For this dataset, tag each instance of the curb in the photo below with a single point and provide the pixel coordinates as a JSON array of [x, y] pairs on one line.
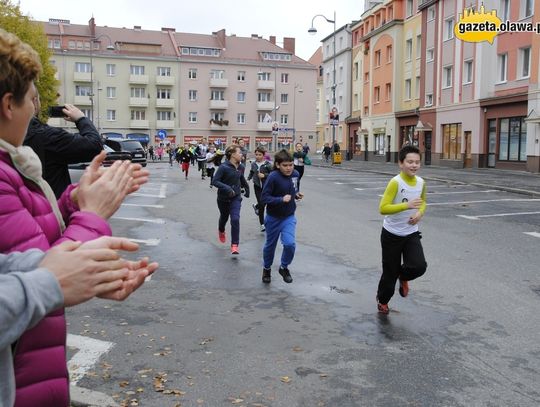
[[81, 397]]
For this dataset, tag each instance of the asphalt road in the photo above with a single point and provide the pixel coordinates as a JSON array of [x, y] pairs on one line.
[[206, 332]]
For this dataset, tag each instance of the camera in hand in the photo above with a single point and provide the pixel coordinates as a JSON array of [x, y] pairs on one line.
[[56, 111]]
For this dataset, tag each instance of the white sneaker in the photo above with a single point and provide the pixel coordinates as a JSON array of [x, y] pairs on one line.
[[263, 228]]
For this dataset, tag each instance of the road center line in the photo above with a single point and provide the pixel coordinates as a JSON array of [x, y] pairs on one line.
[[157, 220], [90, 350]]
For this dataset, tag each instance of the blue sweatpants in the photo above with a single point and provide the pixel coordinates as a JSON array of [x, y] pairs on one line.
[[276, 227], [232, 209]]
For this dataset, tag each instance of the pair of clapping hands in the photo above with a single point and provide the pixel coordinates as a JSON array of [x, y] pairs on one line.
[[95, 269], [101, 190]]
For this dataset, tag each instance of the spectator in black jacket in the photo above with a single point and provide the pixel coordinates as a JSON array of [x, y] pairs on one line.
[[56, 148], [230, 182]]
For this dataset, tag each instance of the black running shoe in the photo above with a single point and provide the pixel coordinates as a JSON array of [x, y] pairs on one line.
[[285, 273], [266, 278]]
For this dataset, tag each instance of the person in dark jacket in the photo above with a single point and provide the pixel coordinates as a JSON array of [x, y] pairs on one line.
[[56, 148], [260, 168], [280, 193], [231, 184], [326, 151], [184, 156]]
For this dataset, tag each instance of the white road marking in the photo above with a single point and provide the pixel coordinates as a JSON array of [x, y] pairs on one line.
[[534, 234], [90, 350], [157, 220], [144, 205], [363, 189], [361, 182], [461, 192], [163, 190], [148, 195], [497, 215], [147, 242], [486, 200]]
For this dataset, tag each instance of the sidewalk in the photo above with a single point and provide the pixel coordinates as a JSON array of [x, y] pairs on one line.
[[520, 182]]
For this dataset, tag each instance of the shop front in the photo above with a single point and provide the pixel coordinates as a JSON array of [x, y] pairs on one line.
[[142, 138], [217, 140], [265, 142]]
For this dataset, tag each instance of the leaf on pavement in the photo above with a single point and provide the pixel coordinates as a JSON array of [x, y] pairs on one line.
[[285, 379], [123, 383]]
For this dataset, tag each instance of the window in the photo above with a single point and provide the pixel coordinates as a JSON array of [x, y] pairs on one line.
[[88, 113], [366, 77], [164, 115], [111, 115], [217, 116], [138, 115], [447, 77], [388, 54], [163, 71], [82, 67], [388, 91], [513, 139], [138, 92], [284, 78], [408, 49], [501, 67], [467, 72], [377, 94], [111, 69], [504, 10], [241, 97], [431, 13], [407, 94], [417, 88], [429, 55], [284, 119], [355, 72], [241, 76], [163, 93], [217, 74], [528, 8], [409, 8], [263, 97], [192, 95], [524, 62], [111, 92], [54, 44], [72, 44], [429, 99], [192, 73], [451, 141], [377, 58], [261, 117], [241, 118], [263, 76], [83, 90], [136, 69], [418, 46], [449, 29], [192, 117], [217, 95], [284, 98]]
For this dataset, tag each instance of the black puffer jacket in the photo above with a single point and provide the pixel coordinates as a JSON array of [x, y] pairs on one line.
[[230, 180]]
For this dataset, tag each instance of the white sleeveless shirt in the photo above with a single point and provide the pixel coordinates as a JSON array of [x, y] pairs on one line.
[[398, 223]]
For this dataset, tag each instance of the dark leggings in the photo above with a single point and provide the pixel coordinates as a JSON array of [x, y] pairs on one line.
[[260, 203], [230, 209], [210, 173], [300, 169], [414, 263]]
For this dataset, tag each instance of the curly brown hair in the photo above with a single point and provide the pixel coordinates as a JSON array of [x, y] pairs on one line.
[[19, 66]]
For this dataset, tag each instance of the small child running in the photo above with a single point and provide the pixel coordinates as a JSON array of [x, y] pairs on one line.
[[404, 204], [260, 168], [279, 194]]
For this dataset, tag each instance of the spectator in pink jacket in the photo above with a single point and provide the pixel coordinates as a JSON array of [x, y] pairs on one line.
[[30, 217]]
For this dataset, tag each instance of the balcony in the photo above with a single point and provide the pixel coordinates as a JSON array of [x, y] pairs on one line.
[[219, 83], [165, 124], [165, 103], [138, 124], [219, 104], [82, 77], [165, 80], [138, 79], [266, 85], [82, 101], [138, 102], [219, 124], [264, 126], [265, 105]]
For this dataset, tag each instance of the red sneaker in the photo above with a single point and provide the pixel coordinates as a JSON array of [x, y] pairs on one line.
[[403, 288], [222, 237], [382, 308], [234, 249]]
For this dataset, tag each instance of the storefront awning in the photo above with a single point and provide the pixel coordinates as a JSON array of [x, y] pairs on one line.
[[113, 136], [141, 137]]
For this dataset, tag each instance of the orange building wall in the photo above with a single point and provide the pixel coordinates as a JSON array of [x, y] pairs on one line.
[[383, 75]]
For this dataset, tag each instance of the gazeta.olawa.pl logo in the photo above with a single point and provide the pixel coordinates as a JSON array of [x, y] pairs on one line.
[[478, 26]]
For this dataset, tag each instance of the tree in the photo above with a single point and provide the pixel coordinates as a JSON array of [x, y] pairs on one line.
[[31, 32]]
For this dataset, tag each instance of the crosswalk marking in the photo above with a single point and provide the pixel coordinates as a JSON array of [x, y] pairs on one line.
[[144, 205], [485, 201], [157, 220], [497, 215], [533, 234], [90, 350], [147, 242]]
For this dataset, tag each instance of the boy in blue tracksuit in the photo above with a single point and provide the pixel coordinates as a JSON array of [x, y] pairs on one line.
[[279, 194], [230, 182]]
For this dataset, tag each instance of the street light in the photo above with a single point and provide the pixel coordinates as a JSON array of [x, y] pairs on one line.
[[110, 47], [300, 90], [312, 30]]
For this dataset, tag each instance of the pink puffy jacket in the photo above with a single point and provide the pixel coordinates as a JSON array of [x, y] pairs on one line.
[[27, 221]]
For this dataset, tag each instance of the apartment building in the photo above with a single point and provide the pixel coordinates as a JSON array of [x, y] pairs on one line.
[[167, 86], [316, 60]]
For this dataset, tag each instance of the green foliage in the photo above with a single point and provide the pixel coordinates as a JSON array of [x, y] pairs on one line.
[[12, 20]]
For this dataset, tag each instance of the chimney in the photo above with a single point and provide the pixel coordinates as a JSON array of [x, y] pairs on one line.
[[289, 44], [273, 39], [165, 29], [255, 36], [221, 37], [137, 27], [92, 26]]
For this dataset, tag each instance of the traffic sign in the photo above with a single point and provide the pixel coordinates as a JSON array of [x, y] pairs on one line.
[[162, 134]]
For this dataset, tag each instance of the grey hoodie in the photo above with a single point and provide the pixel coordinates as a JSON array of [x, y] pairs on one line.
[[27, 294]]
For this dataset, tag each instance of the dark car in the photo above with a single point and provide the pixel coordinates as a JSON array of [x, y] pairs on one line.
[[133, 146], [76, 170]]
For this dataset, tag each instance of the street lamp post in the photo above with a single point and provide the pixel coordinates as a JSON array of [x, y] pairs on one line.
[[110, 47], [300, 90], [313, 30]]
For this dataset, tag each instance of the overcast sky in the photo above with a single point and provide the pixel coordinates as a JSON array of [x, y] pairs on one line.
[[282, 18]]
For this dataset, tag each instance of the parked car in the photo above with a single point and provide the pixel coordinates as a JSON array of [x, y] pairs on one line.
[[138, 154], [76, 170]]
